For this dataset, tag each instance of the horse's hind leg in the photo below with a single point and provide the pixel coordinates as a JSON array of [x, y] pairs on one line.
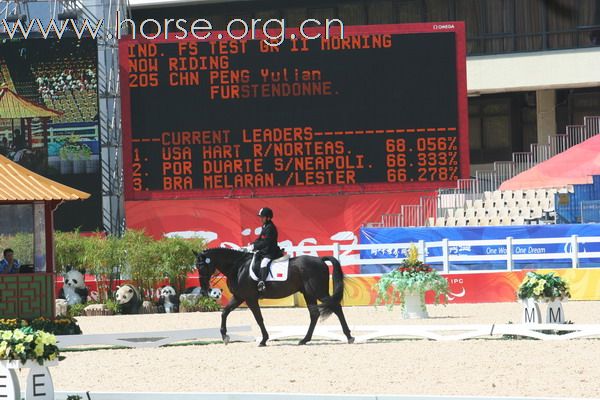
[[340, 314], [314, 317], [255, 308], [232, 305]]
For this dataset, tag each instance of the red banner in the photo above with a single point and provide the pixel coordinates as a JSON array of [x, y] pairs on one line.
[[489, 287], [464, 288], [310, 220]]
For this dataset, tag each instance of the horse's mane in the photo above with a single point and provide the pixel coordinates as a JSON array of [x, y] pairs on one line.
[[225, 250], [233, 256]]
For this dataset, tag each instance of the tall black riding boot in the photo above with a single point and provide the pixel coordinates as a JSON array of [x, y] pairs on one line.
[[264, 272]]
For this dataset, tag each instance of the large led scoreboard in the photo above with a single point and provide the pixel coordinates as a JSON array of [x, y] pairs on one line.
[[383, 108]]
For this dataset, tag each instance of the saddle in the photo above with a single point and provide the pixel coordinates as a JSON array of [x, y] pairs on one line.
[[278, 270]]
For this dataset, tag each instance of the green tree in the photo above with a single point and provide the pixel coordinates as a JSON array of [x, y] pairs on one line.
[[178, 259], [69, 249], [142, 261], [103, 258]]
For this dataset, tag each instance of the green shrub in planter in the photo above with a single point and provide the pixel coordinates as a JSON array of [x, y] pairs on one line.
[[203, 304], [76, 310], [58, 326], [113, 306]]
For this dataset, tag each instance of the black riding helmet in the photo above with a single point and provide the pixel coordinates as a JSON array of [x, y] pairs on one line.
[[265, 212]]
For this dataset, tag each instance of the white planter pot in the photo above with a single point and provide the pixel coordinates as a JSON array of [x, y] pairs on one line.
[[413, 306], [554, 312], [17, 364], [9, 383], [39, 381], [54, 163], [78, 166], [91, 166], [551, 300], [66, 167], [531, 311]]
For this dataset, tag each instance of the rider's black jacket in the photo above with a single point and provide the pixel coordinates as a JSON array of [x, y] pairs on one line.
[[266, 243]]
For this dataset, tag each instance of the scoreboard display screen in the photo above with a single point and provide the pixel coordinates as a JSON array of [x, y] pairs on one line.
[[383, 108]]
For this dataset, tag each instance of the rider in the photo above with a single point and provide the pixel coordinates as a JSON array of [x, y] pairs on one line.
[[266, 245]]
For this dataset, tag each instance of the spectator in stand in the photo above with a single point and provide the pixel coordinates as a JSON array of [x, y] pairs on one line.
[[9, 264], [4, 146], [18, 140]]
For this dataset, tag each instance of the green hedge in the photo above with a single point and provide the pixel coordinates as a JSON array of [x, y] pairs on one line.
[[58, 326], [135, 256]]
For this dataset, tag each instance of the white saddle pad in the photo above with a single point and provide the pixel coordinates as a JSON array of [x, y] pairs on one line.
[[279, 269]]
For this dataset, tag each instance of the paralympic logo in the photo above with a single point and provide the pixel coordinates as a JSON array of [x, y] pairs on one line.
[[458, 294]]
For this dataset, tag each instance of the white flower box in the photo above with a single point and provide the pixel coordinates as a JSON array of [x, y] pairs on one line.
[[17, 364], [39, 381]]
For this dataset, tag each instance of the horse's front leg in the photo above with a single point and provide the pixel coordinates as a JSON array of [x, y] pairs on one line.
[[255, 308], [232, 305]]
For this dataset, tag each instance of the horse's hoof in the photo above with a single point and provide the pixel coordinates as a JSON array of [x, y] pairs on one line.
[[262, 344], [302, 342], [350, 340], [226, 339]]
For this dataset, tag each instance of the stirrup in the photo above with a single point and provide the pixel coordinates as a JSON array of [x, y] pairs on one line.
[[261, 286]]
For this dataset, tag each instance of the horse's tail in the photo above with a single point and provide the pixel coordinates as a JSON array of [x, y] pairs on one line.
[[327, 307]]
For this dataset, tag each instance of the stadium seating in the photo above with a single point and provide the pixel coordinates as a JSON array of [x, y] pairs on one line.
[[506, 207], [67, 84], [502, 207]]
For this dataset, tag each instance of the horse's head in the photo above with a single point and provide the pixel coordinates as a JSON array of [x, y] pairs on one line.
[[206, 269]]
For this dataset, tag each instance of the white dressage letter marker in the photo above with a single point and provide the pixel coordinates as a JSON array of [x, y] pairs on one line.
[[531, 312], [9, 384], [555, 313], [39, 384]]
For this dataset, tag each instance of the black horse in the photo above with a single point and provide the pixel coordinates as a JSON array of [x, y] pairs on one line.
[[307, 274]]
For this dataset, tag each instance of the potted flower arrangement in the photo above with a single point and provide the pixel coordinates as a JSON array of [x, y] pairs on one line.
[[25, 345], [57, 326], [547, 288], [85, 153], [543, 287], [73, 155], [408, 283]]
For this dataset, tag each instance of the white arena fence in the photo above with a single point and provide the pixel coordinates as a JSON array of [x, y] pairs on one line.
[[349, 254], [271, 396], [362, 334]]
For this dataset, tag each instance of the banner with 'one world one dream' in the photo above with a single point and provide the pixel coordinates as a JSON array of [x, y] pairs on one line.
[[485, 248]]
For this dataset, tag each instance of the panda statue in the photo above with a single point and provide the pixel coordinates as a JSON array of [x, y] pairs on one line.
[[215, 293], [129, 299], [74, 290], [168, 299]]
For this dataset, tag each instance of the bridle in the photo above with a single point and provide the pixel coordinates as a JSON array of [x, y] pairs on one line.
[[203, 273]]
